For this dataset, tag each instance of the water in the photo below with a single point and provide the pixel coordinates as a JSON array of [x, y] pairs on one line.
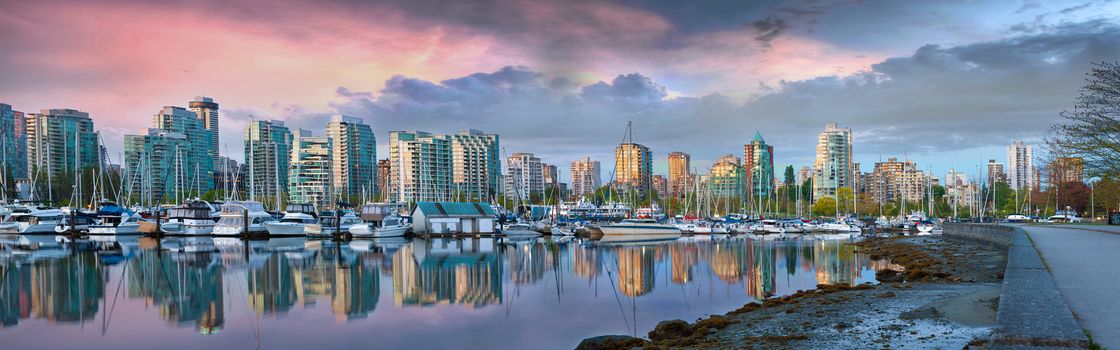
[[141, 293]]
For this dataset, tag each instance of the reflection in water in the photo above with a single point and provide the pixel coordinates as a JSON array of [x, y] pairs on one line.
[[233, 288]]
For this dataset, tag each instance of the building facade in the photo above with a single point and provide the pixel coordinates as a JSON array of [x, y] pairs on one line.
[[524, 177], [58, 140], [833, 165], [679, 171], [13, 143], [633, 169], [758, 163], [383, 185], [959, 191], [477, 165], [1020, 166], [206, 110], [194, 159], [420, 167], [585, 176], [268, 145], [727, 177], [354, 162], [1066, 169], [153, 175], [660, 185], [311, 170]]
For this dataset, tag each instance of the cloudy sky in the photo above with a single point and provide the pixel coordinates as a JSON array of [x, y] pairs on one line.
[[944, 83]]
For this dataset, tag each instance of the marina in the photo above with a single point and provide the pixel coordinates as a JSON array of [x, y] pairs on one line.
[[189, 292]]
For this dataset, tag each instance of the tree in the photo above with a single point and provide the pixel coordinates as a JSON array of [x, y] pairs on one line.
[[825, 207], [1091, 129]]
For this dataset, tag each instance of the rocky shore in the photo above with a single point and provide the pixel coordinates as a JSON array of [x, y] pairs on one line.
[[944, 295]]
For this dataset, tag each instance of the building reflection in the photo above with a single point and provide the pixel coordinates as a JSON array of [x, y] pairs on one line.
[[448, 271], [586, 262], [682, 258], [65, 288], [636, 269]]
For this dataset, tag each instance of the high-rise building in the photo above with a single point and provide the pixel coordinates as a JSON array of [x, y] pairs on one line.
[[633, 167], [856, 185], [727, 177], [524, 177], [420, 167], [227, 176], [354, 165], [894, 179], [959, 191], [1066, 169], [585, 176], [60, 139], [268, 145], [758, 163], [995, 172], [1020, 165], [660, 185], [679, 171], [832, 168], [383, 186], [206, 110], [152, 161], [193, 161], [476, 163], [311, 170], [13, 143]]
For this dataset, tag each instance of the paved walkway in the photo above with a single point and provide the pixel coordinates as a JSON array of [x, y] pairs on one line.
[[1085, 263]]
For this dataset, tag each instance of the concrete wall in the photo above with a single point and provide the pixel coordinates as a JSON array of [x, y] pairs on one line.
[[1032, 313]]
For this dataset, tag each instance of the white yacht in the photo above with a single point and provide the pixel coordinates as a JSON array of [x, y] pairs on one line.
[[297, 218], [641, 229], [192, 218], [520, 229], [769, 226], [33, 221], [329, 222], [391, 226], [234, 215], [834, 227]]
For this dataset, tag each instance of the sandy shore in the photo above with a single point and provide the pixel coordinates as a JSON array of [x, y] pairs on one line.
[[944, 295]]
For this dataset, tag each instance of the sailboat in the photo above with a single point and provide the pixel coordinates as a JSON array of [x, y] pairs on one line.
[[639, 229]]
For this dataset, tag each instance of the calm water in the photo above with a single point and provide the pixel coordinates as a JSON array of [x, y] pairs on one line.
[[431, 294]]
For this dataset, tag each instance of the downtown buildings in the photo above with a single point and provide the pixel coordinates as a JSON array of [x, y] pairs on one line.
[[832, 168], [585, 177], [268, 146], [60, 141], [13, 143], [679, 173], [432, 167], [207, 112], [524, 177], [727, 177]]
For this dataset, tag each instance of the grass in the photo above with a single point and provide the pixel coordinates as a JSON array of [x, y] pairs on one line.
[[1033, 245], [1092, 344]]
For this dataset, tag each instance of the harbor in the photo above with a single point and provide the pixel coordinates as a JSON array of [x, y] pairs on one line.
[[551, 292]]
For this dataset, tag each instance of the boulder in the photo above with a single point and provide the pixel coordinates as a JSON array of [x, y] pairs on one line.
[[611, 342], [670, 330]]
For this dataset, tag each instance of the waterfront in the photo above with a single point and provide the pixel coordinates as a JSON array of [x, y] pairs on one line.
[[441, 293]]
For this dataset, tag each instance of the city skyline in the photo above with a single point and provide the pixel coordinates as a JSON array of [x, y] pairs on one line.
[[425, 70]]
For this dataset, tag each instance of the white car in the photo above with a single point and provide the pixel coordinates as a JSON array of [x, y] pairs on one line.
[[1064, 218]]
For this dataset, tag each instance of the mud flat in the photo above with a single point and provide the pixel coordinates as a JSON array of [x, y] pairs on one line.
[[944, 295]]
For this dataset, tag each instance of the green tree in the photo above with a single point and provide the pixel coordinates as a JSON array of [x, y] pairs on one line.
[[825, 207]]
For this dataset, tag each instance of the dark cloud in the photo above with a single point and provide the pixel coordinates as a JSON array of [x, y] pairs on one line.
[[767, 29]]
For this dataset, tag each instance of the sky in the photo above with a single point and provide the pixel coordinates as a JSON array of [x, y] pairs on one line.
[[947, 83]]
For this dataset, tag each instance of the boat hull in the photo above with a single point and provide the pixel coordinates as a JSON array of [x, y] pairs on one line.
[[115, 230], [285, 229], [644, 230]]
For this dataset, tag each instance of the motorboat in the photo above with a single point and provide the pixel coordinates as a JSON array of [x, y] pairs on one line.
[[561, 231], [238, 216], [769, 226], [192, 218], [925, 227], [24, 220], [834, 227], [640, 227], [390, 226], [295, 222], [115, 220], [334, 221], [520, 229]]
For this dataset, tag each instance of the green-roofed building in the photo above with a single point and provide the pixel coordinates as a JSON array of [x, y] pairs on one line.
[[443, 218], [758, 164]]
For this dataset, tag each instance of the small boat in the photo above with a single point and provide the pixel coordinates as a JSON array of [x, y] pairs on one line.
[[561, 231], [925, 227], [390, 226], [641, 229], [234, 216], [115, 220], [334, 221], [191, 218], [295, 222], [520, 229], [769, 226], [834, 227]]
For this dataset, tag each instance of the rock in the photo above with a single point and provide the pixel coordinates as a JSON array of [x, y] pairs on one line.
[[889, 276], [920, 313], [611, 342], [670, 330]]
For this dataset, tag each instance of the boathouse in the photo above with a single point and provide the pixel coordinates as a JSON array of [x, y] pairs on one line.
[[442, 218]]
